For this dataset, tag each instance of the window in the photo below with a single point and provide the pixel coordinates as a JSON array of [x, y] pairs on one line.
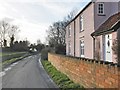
[[81, 48], [69, 46], [101, 8], [81, 23], [69, 30]]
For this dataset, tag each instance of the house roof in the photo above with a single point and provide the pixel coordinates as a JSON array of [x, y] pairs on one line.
[[110, 25], [79, 13]]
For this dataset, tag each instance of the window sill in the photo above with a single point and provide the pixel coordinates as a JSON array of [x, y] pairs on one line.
[[82, 56], [69, 36], [81, 31], [101, 14]]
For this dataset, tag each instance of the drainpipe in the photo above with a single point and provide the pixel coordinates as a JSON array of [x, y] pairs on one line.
[[93, 47], [74, 38], [94, 66]]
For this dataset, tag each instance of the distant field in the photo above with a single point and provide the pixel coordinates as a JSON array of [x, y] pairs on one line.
[[9, 53]]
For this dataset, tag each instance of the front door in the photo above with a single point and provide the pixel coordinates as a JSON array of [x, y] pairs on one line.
[[108, 47]]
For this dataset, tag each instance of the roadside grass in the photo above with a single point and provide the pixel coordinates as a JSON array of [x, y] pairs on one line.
[[8, 55], [11, 60], [59, 78]]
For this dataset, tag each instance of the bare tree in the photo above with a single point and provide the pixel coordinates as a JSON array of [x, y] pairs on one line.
[[7, 31], [12, 33], [56, 32], [14, 29], [4, 27], [0, 35], [70, 16], [38, 41]]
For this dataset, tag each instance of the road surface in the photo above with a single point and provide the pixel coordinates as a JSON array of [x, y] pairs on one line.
[[27, 73]]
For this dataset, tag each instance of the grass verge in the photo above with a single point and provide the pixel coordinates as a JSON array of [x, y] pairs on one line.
[[10, 61], [59, 78]]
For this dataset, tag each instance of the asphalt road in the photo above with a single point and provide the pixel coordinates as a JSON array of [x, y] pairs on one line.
[[27, 73]]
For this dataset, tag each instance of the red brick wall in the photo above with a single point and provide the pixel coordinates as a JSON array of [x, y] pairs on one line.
[[89, 73]]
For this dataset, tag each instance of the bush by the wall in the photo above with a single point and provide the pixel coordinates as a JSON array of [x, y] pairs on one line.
[[44, 53], [60, 49]]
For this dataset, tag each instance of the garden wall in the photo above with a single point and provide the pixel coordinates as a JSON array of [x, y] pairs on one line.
[[86, 72]]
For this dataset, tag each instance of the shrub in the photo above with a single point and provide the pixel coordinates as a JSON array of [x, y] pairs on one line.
[[115, 47], [60, 49], [44, 53]]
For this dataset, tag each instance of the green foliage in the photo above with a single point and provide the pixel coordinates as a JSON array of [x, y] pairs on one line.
[[20, 46], [39, 47], [59, 78], [44, 53], [60, 49]]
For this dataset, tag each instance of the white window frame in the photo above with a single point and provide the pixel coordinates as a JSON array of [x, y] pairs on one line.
[[81, 23], [69, 30], [82, 49], [100, 8]]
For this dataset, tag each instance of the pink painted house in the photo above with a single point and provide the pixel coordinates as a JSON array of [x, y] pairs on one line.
[[82, 38]]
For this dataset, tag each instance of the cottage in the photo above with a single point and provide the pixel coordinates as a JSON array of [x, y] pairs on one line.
[[87, 22], [105, 36]]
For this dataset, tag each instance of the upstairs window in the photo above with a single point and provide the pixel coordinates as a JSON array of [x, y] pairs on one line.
[[69, 30], [81, 23], [100, 8]]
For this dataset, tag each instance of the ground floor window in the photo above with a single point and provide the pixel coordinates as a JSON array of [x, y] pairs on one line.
[[81, 48], [69, 48]]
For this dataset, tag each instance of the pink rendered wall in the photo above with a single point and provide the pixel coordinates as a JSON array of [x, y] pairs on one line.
[[88, 26], [66, 39], [70, 39]]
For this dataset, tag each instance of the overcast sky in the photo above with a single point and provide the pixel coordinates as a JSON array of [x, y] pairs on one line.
[[35, 16]]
